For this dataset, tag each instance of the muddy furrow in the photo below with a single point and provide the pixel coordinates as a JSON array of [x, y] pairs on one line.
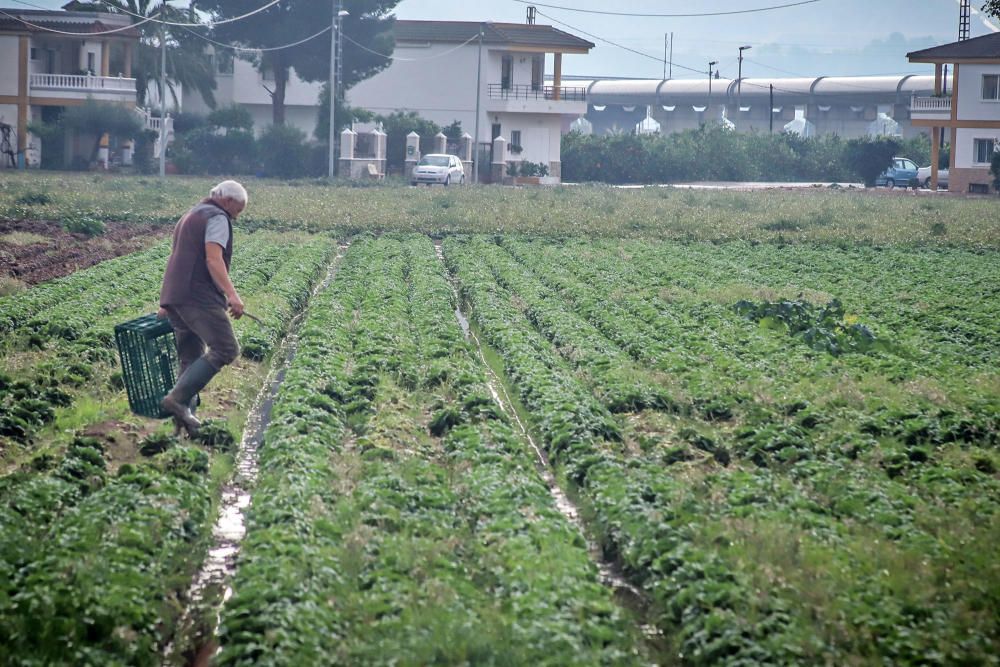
[[194, 642], [627, 595]]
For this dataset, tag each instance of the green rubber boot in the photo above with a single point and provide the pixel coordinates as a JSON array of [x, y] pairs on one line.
[[178, 401]]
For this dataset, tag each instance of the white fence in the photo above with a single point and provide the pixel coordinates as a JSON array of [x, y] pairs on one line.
[[81, 83], [930, 105]]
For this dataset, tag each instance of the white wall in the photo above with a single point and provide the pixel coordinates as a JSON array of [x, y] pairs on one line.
[[438, 85], [540, 136], [971, 105], [8, 64], [965, 140]]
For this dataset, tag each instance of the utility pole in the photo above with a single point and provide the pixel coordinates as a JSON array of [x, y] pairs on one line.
[[664, 55], [770, 116], [479, 90], [163, 91], [671, 55], [331, 157], [739, 82]]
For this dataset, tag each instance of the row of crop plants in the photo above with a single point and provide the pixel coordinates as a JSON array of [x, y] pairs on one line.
[[768, 556], [398, 517], [94, 560]]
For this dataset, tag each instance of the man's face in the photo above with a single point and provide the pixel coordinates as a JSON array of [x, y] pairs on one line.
[[232, 207]]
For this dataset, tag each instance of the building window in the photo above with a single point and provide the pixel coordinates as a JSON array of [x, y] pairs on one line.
[[91, 62], [223, 63], [537, 68], [506, 72], [982, 150], [515, 141], [991, 87], [495, 131], [34, 53]]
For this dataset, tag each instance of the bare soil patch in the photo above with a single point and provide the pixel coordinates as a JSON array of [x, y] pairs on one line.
[[60, 253]]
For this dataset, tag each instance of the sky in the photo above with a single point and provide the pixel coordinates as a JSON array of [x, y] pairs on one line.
[[821, 38]]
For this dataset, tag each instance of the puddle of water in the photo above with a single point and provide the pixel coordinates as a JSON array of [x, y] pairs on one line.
[[230, 528]]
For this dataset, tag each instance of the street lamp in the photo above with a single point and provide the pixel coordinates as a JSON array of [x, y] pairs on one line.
[[710, 66], [739, 81], [335, 23]]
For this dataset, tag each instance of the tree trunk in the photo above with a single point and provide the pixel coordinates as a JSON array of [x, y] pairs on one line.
[[278, 98]]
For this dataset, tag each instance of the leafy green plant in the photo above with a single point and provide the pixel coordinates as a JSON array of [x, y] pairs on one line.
[[83, 224]]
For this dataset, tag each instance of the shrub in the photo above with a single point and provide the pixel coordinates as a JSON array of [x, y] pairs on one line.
[[283, 151], [83, 224], [870, 157], [207, 151], [232, 117], [995, 170]]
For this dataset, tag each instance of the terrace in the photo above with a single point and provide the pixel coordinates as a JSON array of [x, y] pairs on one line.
[[930, 108]]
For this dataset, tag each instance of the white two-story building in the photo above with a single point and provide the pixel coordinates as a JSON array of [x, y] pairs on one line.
[[55, 59], [434, 72], [970, 112]]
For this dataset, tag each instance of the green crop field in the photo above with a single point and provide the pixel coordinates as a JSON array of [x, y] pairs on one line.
[[775, 416]]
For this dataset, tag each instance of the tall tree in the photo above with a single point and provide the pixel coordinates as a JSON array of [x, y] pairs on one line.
[[188, 65], [992, 7], [367, 29]]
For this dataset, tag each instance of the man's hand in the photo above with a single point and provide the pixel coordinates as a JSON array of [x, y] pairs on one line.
[[236, 306], [161, 314]]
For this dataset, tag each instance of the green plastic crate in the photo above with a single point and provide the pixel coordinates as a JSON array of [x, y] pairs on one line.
[[148, 354]]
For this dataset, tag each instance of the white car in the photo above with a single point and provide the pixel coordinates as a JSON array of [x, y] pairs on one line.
[[438, 168], [924, 177]]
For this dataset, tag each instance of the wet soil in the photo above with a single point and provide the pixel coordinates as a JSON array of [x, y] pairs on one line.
[[62, 253]]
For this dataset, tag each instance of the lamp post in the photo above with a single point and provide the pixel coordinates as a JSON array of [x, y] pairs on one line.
[[163, 91], [338, 14], [479, 90], [739, 80], [710, 66]]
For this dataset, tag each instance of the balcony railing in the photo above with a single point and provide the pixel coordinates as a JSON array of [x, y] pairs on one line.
[[497, 91], [930, 105], [82, 83]]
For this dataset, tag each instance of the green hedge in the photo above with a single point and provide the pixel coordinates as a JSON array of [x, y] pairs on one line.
[[718, 154]]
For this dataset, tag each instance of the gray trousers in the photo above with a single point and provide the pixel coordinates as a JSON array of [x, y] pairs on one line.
[[199, 326]]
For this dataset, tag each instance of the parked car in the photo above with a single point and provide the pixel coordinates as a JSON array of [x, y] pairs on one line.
[[900, 173], [438, 168], [924, 177]]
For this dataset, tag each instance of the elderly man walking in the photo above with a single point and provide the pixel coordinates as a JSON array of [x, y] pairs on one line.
[[195, 294]]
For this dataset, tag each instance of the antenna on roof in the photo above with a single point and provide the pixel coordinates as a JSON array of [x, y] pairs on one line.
[[964, 17], [531, 14]]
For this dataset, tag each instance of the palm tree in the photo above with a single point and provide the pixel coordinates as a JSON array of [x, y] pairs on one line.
[[187, 62]]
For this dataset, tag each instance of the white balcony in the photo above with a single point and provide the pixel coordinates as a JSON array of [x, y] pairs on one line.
[[536, 99], [930, 108], [81, 86]]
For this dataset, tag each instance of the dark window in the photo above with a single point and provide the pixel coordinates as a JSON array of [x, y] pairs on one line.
[[496, 131], [983, 150], [515, 138], [34, 53], [537, 68], [91, 59], [506, 72], [991, 87], [223, 63]]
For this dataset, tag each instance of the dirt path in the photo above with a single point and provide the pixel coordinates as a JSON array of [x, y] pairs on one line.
[[33, 251]]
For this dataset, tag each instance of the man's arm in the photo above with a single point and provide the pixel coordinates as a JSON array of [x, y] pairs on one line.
[[217, 269]]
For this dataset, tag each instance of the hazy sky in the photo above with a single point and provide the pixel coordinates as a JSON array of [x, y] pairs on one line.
[[827, 37]]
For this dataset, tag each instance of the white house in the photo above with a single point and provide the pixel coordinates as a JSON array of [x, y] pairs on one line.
[[42, 69], [971, 112], [239, 82], [434, 73]]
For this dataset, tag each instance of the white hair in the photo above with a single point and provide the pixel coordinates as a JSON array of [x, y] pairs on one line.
[[229, 190]]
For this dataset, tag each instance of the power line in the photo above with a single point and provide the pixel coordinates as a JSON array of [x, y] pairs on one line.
[[262, 49], [195, 25], [620, 46], [409, 60], [67, 32], [689, 15]]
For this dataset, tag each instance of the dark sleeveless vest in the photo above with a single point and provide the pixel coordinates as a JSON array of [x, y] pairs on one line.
[[187, 280]]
